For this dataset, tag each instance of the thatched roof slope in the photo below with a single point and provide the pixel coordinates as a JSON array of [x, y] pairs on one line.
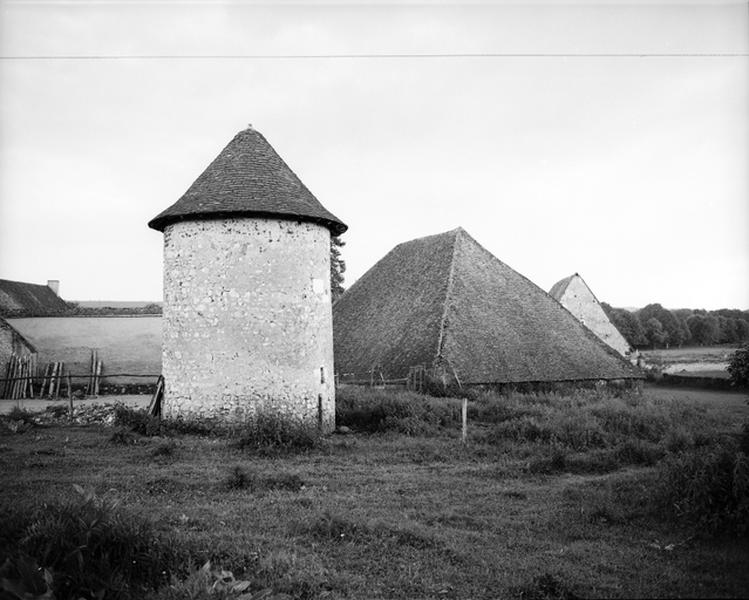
[[445, 299], [501, 327], [19, 298], [248, 178], [391, 317]]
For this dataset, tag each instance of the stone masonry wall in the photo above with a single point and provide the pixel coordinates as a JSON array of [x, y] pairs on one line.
[[10, 343], [580, 301], [247, 320]]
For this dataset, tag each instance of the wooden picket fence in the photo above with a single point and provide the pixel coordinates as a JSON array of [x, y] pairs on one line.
[[23, 378], [19, 374]]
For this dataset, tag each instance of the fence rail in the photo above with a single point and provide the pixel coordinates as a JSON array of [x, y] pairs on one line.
[[72, 376], [49, 384]]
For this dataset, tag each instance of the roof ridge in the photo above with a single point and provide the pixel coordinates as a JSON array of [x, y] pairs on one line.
[[587, 287], [560, 287], [448, 291], [559, 305]]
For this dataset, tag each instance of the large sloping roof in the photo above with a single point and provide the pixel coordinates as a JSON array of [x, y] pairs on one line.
[[446, 299], [248, 178], [19, 298], [576, 296]]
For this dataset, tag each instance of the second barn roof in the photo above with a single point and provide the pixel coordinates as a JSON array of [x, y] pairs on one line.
[[248, 178]]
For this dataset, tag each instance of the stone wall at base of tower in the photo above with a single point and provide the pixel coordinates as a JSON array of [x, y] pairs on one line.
[[247, 320]]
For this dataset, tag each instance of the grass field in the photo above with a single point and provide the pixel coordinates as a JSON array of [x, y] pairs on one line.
[[702, 361], [552, 497]]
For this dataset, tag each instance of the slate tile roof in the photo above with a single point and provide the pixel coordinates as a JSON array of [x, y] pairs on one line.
[[248, 178], [444, 298], [18, 298]]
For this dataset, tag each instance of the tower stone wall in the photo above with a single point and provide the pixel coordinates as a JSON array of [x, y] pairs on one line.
[[247, 320]]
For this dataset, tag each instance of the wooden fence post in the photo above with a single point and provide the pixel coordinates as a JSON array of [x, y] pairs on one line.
[[70, 394], [319, 413], [464, 415]]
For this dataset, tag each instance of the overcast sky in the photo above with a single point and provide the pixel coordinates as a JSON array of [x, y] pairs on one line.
[[629, 169]]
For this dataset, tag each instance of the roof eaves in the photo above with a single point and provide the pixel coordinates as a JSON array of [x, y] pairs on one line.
[[160, 222]]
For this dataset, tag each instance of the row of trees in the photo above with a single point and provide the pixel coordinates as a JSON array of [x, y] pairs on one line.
[[658, 327], [75, 309]]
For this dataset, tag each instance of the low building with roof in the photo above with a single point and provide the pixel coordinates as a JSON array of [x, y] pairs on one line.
[[446, 303], [247, 308], [574, 294], [21, 299]]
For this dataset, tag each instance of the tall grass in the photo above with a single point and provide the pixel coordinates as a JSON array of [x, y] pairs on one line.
[[584, 431], [708, 488], [376, 410], [271, 435], [581, 421], [585, 420]]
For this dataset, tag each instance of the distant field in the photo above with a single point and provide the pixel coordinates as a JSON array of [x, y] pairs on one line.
[[707, 361], [125, 344]]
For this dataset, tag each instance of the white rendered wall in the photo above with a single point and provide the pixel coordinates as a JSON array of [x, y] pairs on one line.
[[580, 301], [247, 320]]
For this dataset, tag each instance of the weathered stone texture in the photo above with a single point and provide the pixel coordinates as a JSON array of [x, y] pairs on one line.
[[247, 320], [11, 342], [580, 301]]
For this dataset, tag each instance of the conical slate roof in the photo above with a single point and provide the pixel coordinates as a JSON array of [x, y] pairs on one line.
[[248, 178], [444, 299], [576, 296]]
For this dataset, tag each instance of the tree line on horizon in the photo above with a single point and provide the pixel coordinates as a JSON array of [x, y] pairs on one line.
[[657, 327]]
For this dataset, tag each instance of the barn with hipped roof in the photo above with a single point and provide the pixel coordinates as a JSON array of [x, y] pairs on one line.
[[446, 303], [574, 294], [247, 308]]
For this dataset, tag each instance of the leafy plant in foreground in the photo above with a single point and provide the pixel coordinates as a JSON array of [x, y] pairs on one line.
[[709, 488], [91, 548]]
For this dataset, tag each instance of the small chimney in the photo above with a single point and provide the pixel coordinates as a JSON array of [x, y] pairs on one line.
[[54, 285]]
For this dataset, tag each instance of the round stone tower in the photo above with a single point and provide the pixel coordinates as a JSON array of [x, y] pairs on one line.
[[247, 310]]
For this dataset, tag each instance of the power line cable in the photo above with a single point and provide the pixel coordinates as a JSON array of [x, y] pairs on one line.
[[376, 56]]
